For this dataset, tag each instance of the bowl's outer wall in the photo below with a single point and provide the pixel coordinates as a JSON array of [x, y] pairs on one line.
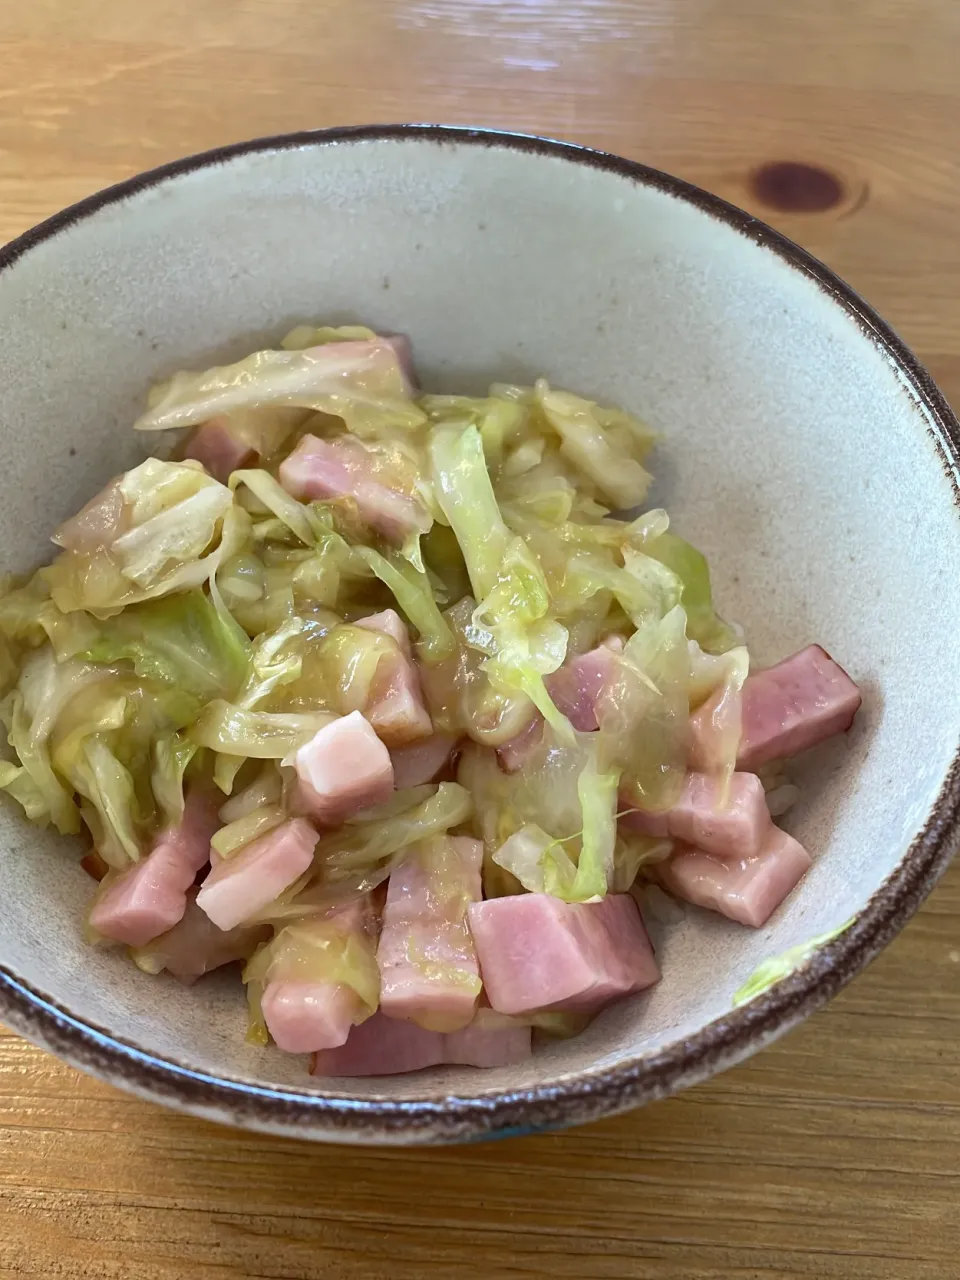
[[793, 453]]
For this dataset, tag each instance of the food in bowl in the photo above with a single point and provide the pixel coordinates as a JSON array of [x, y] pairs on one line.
[[374, 692]]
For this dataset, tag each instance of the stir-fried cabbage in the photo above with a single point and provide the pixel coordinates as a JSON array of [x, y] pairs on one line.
[[161, 528], [361, 382], [193, 634]]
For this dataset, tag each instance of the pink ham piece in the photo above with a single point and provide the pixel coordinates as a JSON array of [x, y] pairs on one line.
[[422, 761], [795, 705], [220, 452], [384, 1046], [240, 886], [305, 1016], [735, 829], [480, 1045], [428, 963], [747, 890], [537, 952], [150, 898], [577, 686], [342, 769], [575, 690], [343, 468], [195, 946], [396, 708]]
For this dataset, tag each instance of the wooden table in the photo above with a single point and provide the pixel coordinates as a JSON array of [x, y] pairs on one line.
[[837, 1152]]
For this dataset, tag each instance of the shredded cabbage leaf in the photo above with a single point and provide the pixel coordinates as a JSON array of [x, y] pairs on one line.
[[360, 382], [773, 971]]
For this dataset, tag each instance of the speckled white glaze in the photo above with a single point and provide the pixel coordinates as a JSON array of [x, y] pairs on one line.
[[794, 452]]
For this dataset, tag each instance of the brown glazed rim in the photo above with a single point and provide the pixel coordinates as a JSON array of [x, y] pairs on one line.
[[593, 1093]]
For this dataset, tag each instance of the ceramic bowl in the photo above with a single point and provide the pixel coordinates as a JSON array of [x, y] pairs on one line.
[[803, 448]]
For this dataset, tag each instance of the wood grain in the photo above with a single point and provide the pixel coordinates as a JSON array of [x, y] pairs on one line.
[[836, 1153]]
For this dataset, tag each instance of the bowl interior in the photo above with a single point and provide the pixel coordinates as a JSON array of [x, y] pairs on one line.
[[794, 454]]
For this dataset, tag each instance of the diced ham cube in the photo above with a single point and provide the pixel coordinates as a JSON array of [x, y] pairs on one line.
[[428, 962], [514, 753], [747, 890], [389, 623], [151, 897], [480, 1045], [343, 468], [795, 705], [304, 1017], [305, 1014], [734, 829], [575, 690], [195, 946], [220, 452], [384, 1046], [342, 769], [537, 952], [238, 887], [396, 708], [422, 761], [577, 686]]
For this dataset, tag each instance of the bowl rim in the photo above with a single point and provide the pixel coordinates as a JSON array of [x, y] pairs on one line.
[[589, 1095]]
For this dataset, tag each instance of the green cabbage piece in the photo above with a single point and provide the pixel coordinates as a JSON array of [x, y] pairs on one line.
[[181, 640], [235, 731], [598, 806], [773, 971], [604, 456], [510, 623], [564, 843], [233, 837], [644, 711], [275, 665], [165, 528], [413, 593], [463, 490], [116, 743], [523, 855], [690, 566], [264, 789], [17, 782], [172, 754], [365, 386], [293, 515], [459, 693], [309, 335], [108, 785], [361, 854], [499, 421], [29, 714], [276, 659]]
